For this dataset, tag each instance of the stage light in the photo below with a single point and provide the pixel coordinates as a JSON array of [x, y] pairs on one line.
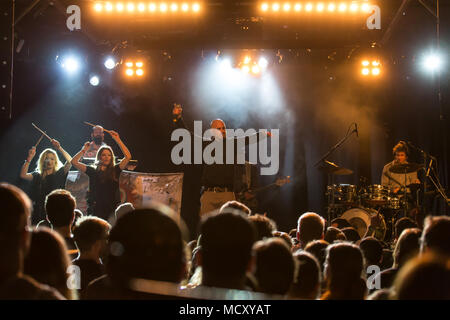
[[263, 63], [141, 7], [255, 69], [365, 7], [139, 64], [331, 7], [246, 69], [370, 67], [375, 71], [129, 64], [225, 64], [365, 71], [286, 7], [139, 72], [264, 7], [163, 7], [320, 7], [353, 7], [98, 7], [119, 7], [152, 7], [129, 72], [70, 64], [94, 81], [433, 62], [309, 7], [130, 7], [365, 63], [247, 59], [298, 7], [275, 7], [185, 7], [375, 63], [174, 7], [109, 7], [196, 7], [110, 63], [342, 7]]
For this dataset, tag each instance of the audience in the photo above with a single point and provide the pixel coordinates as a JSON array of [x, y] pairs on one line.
[[235, 205], [264, 226], [226, 249], [310, 227], [340, 223], [47, 261], [275, 266], [307, 283], [351, 234], [343, 269], [143, 244], [372, 251], [14, 231], [318, 249], [402, 224], [334, 234], [436, 235], [90, 234], [60, 208]]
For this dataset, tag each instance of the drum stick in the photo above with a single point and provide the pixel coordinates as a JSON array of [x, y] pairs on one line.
[[42, 132], [94, 125], [39, 141]]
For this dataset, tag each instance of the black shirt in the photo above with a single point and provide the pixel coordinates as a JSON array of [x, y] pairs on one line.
[[90, 270], [26, 288], [104, 194], [41, 187]]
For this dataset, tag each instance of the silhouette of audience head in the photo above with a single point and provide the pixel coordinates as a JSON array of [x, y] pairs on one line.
[[226, 247], [372, 251], [318, 248], [263, 226], [60, 206], [407, 246], [47, 260], [343, 270], [235, 205], [310, 227], [402, 224], [148, 244], [334, 234], [425, 277], [436, 235], [307, 282], [275, 266], [90, 234], [340, 223], [351, 234]]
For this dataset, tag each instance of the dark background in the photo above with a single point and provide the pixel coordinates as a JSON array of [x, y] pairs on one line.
[[313, 72]]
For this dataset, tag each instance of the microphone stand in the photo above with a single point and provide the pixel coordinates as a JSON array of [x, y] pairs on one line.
[[330, 176]]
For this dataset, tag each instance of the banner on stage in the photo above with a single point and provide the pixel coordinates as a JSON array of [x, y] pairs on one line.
[[135, 187]]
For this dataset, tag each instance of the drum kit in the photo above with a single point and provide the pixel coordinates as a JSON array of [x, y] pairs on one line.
[[359, 204]]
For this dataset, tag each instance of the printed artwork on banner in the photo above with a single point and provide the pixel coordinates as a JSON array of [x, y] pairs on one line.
[[135, 187], [141, 188]]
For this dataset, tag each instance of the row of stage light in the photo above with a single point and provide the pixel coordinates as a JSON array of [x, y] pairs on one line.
[[152, 7], [264, 7]]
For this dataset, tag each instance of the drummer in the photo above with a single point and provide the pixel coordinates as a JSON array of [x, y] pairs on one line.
[[98, 138], [395, 181]]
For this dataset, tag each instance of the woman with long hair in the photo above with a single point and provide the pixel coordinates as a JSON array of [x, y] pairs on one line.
[[50, 174], [104, 194]]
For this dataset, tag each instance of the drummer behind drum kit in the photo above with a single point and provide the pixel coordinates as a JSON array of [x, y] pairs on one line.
[[358, 205]]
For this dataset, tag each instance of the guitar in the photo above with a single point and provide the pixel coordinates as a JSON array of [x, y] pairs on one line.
[[248, 197]]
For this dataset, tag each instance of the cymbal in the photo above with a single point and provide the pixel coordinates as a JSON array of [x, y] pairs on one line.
[[405, 168], [332, 168]]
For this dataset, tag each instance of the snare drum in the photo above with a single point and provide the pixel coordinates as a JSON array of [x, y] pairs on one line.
[[359, 218], [343, 193], [377, 195]]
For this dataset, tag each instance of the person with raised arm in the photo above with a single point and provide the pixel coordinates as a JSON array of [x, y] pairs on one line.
[[103, 195], [50, 174]]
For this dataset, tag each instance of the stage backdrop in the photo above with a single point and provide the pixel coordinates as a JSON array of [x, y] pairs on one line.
[[135, 187]]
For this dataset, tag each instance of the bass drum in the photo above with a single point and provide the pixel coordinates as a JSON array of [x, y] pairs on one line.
[[359, 218]]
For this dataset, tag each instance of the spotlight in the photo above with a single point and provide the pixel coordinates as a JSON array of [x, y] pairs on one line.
[[152, 7], [264, 7], [70, 64], [433, 62], [298, 7], [365, 7], [110, 63], [246, 69], [365, 71], [375, 71], [139, 64], [94, 81], [141, 7], [309, 7], [109, 7], [365, 63], [353, 7], [275, 7], [286, 7], [139, 72], [184, 7], [342, 7], [119, 7], [263, 63], [129, 64], [331, 7], [247, 60], [130, 7], [129, 72], [256, 69], [98, 7], [174, 7], [163, 7], [196, 7], [320, 7]]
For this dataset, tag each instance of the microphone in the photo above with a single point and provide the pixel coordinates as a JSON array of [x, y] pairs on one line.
[[356, 130]]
